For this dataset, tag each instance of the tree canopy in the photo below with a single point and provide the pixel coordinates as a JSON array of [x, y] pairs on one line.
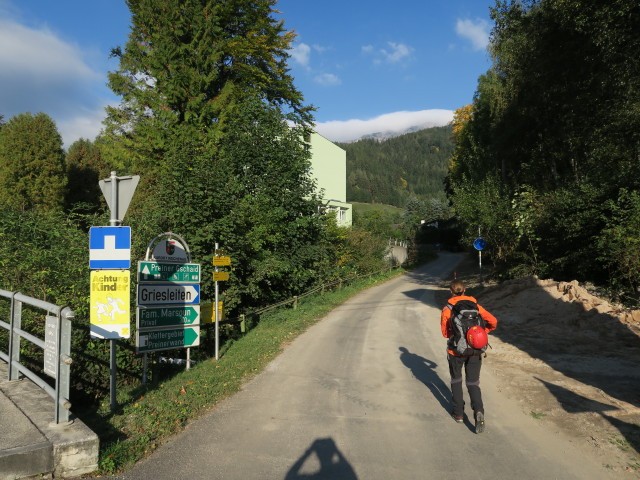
[[188, 61], [551, 141], [32, 171], [211, 120]]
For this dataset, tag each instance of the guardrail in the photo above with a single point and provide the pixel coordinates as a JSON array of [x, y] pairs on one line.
[[56, 346]]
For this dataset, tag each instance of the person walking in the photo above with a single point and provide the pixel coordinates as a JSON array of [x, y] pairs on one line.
[[472, 362]]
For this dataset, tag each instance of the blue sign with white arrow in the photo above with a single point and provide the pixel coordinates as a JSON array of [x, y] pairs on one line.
[[110, 248]]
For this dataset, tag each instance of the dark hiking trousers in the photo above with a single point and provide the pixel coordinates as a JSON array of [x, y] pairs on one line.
[[472, 367]]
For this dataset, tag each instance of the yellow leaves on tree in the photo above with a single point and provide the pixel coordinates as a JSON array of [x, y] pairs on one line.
[[461, 117]]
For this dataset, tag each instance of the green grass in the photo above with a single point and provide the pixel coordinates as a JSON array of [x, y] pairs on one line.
[[148, 415], [538, 416]]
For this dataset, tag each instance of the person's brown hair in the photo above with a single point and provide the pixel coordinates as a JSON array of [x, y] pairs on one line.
[[457, 287]]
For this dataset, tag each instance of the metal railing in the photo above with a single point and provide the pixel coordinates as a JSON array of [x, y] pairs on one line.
[[56, 346]]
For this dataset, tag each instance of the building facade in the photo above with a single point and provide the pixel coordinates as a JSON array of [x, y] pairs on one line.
[[329, 168]]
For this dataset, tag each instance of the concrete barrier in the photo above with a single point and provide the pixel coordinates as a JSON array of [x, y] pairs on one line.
[[31, 444]]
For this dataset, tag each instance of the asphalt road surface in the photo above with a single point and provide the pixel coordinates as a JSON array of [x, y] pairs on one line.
[[364, 394]]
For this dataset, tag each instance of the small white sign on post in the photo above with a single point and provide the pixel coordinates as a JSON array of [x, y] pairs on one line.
[[51, 345]]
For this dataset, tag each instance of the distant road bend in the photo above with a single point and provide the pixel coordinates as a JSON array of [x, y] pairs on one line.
[[364, 394]]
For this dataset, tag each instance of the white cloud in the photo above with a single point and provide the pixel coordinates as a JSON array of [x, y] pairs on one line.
[[42, 73], [397, 52], [393, 53], [320, 48], [327, 79], [349, 130], [477, 32], [301, 53], [86, 124]]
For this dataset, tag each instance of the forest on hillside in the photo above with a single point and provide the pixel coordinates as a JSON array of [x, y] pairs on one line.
[[546, 159], [396, 170]]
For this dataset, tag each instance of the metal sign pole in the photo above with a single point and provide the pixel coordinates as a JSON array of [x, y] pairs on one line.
[[480, 258], [215, 306], [112, 364], [145, 362]]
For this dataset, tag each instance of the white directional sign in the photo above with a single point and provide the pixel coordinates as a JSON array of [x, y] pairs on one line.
[[110, 248], [150, 294]]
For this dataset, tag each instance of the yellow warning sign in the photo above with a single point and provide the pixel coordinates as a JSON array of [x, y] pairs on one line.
[[110, 294]]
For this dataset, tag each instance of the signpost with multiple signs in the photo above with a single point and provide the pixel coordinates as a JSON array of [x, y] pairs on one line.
[[168, 297], [219, 260], [110, 260]]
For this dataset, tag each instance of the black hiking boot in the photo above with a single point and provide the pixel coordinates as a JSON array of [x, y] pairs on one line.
[[457, 418]]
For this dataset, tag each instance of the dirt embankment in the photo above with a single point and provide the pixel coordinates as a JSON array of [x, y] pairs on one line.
[[571, 359]]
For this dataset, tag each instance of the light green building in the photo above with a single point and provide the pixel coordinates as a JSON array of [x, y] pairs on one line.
[[329, 168]]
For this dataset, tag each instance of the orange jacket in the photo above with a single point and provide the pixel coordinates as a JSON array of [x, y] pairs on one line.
[[491, 322]]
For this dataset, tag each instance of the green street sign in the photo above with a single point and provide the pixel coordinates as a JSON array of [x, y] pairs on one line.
[[168, 272], [169, 316], [154, 340]]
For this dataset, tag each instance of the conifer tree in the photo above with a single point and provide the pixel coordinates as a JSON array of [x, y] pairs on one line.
[[32, 173], [187, 60]]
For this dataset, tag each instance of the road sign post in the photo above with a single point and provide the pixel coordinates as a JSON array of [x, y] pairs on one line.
[[168, 298], [110, 249], [219, 260], [479, 244]]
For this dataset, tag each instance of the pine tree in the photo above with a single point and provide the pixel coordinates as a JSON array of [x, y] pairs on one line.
[[187, 61]]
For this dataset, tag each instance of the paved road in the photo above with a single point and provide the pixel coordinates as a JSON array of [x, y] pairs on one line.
[[364, 395]]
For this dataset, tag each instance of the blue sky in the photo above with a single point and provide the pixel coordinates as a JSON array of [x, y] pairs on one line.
[[367, 65]]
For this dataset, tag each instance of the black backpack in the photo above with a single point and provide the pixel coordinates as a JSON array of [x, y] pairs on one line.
[[464, 315]]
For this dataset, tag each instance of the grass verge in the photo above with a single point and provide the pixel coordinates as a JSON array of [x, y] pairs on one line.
[[149, 414]]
